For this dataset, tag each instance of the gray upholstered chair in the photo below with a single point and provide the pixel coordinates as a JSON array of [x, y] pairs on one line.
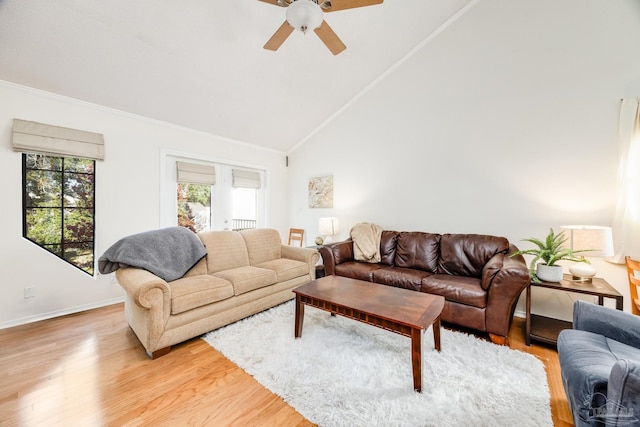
[[600, 364]]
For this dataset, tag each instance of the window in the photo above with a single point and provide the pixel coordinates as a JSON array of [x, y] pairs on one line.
[[58, 206], [244, 196], [194, 206], [204, 195]]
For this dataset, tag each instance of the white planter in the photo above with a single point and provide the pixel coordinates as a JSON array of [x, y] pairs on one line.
[[549, 273]]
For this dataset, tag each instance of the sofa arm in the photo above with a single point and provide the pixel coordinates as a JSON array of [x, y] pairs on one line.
[[336, 253], [307, 255], [145, 288], [505, 288], [623, 390], [615, 324]]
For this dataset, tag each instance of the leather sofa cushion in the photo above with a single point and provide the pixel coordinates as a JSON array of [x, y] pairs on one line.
[[357, 270], [225, 250], [491, 269], [388, 243], [417, 250], [400, 277], [193, 292], [262, 245], [245, 279], [466, 254], [286, 269], [464, 290]]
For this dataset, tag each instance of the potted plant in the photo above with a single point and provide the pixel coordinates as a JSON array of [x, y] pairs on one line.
[[550, 251]]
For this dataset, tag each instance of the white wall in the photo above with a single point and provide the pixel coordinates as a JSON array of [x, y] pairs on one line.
[[127, 197], [505, 123]]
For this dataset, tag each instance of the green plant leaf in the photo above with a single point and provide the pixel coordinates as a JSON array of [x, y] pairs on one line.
[[550, 251]]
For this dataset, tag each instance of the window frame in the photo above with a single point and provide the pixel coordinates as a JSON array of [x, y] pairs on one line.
[[63, 206]]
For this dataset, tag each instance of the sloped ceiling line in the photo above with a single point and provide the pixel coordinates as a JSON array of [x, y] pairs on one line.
[[387, 72]]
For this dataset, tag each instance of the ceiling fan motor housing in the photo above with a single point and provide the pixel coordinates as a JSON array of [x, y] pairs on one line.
[[304, 15]]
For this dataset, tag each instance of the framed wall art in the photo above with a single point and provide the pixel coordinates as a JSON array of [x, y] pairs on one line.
[[321, 192]]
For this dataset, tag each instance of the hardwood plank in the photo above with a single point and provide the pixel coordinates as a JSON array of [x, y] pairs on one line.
[[89, 369]]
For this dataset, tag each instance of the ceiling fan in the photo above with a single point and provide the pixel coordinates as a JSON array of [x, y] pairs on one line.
[[307, 15]]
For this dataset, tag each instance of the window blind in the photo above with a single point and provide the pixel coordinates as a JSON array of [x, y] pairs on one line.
[[246, 179], [33, 137], [195, 173]]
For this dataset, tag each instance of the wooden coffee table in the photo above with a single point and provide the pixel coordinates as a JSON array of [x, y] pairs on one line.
[[398, 310]]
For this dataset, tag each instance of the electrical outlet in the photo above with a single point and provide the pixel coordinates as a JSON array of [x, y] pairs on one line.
[[29, 292]]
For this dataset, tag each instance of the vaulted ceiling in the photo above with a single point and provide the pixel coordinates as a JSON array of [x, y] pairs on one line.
[[201, 64]]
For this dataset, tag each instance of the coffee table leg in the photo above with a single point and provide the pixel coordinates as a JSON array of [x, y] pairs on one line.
[[416, 358], [299, 317], [436, 333]]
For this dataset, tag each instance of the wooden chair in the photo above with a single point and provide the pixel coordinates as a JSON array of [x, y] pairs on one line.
[[633, 266], [296, 235]]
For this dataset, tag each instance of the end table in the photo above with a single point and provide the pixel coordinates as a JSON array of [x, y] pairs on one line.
[[546, 329]]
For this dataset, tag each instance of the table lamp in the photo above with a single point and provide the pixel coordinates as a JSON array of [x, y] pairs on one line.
[[595, 239], [328, 227]]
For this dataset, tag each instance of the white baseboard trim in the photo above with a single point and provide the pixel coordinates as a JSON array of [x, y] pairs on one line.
[[520, 313], [58, 313]]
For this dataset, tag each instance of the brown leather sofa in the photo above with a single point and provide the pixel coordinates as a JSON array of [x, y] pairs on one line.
[[477, 275]]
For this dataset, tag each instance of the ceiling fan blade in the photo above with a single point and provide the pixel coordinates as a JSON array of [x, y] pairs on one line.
[[279, 36], [329, 38], [274, 2], [348, 4]]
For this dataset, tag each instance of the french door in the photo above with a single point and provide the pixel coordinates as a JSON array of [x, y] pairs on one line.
[[205, 195]]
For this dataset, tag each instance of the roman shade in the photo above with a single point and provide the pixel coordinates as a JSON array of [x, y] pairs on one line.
[[195, 173], [33, 137], [246, 179]]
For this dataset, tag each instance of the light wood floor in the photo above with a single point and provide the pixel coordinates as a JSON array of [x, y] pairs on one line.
[[88, 369]]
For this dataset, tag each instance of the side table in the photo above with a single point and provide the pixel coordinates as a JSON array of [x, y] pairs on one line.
[[546, 329]]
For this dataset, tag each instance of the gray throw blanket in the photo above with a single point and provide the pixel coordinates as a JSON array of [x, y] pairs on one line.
[[168, 253]]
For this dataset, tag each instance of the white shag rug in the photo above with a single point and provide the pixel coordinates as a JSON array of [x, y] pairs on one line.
[[345, 373]]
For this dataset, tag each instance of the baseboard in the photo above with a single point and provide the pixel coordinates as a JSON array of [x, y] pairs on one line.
[[58, 313], [520, 313]]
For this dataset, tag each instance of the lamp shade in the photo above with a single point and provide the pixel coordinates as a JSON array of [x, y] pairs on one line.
[[304, 15], [328, 226], [596, 239]]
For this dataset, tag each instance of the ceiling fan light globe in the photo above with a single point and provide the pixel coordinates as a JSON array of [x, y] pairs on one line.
[[304, 15]]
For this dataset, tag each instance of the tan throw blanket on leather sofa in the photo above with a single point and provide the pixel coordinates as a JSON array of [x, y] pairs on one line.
[[366, 242]]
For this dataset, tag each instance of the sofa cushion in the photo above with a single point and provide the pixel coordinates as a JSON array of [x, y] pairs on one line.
[[357, 270], [388, 245], [286, 269], [418, 250], [249, 278], [466, 254], [464, 290], [225, 250], [407, 278], [263, 244], [198, 269], [195, 291]]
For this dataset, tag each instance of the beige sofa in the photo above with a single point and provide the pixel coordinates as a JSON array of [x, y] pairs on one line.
[[243, 273]]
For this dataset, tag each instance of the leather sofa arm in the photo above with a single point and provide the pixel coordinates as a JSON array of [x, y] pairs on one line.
[[504, 291], [307, 255], [615, 324], [336, 253]]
